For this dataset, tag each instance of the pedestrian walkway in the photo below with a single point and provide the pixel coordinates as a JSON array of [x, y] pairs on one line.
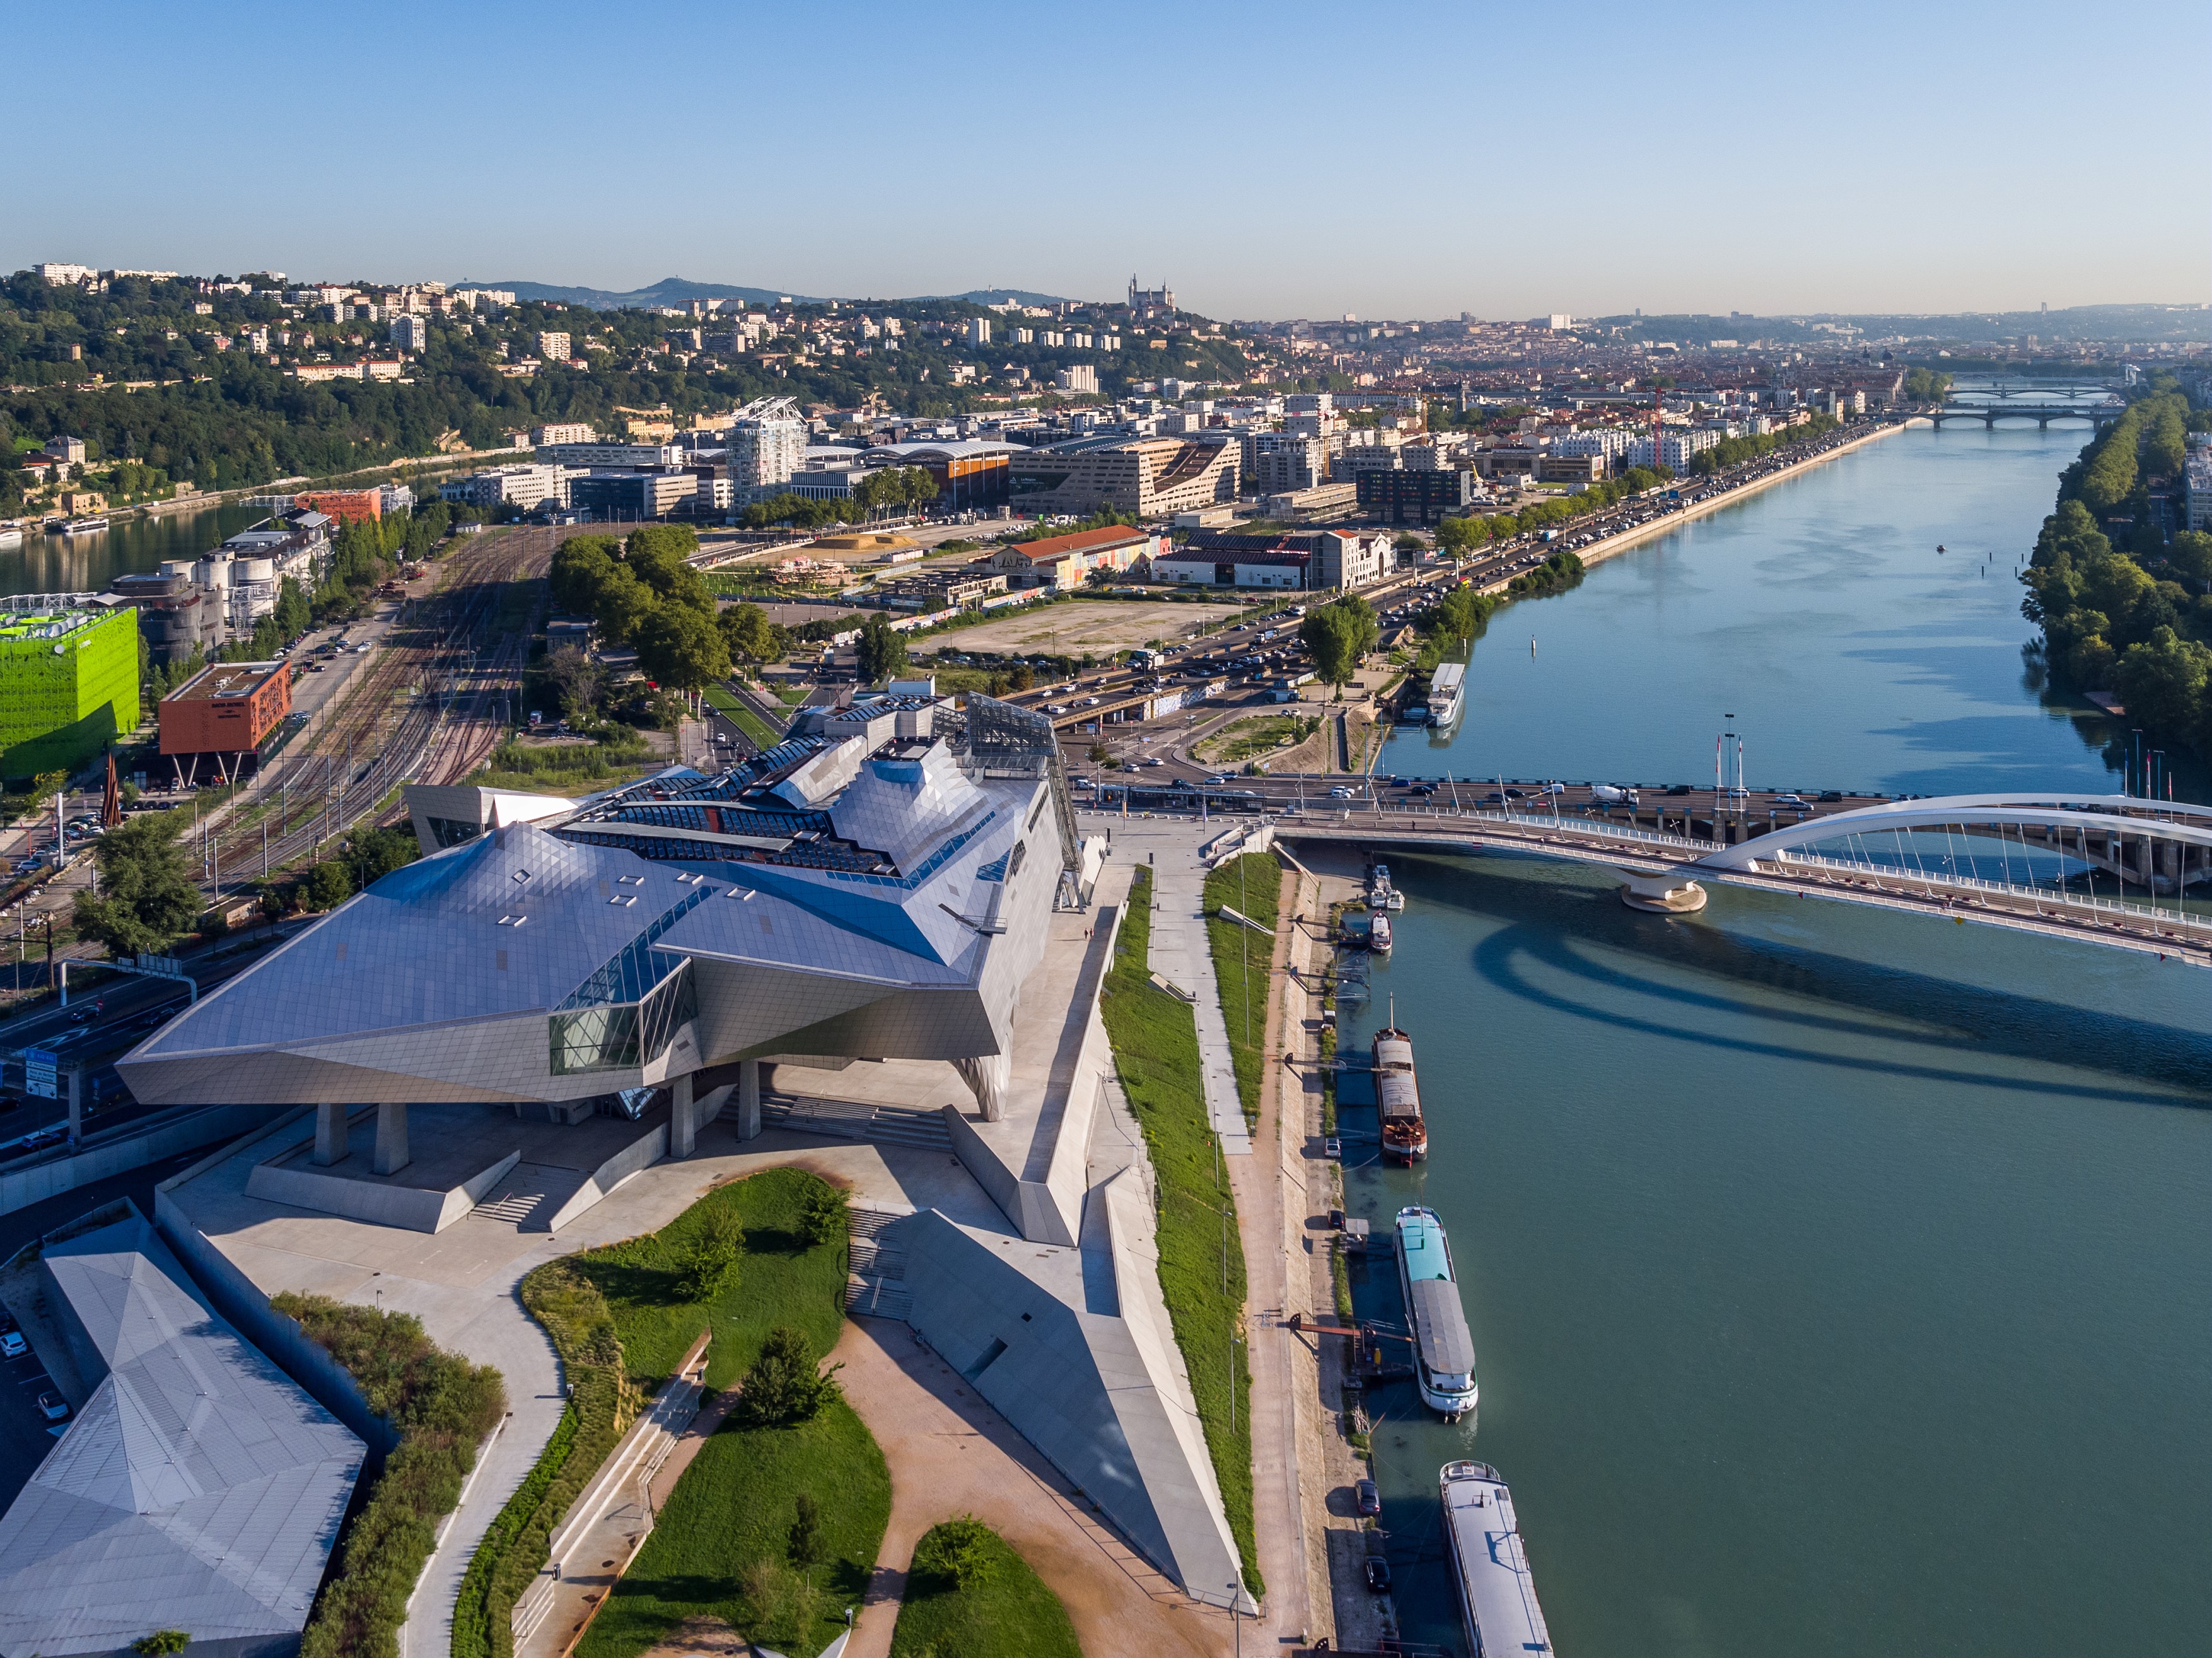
[[1180, 954]]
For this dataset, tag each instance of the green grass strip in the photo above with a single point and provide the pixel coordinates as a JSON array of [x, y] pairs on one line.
[[1155, 1040], [741, 716], [1249, 884], [722, 1548], [1004, 1610]]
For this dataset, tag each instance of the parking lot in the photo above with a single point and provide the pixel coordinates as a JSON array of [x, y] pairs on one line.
[[1093, 626]]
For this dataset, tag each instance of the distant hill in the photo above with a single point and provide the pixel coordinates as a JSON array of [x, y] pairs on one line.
[[676, 290], [670, 290]]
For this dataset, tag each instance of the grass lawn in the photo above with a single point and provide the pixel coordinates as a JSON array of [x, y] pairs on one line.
[[741, 716], [782, 1279], [1006, 1613], [1262, 734], [1249, 884], [728, 1526], [1155, 1040]]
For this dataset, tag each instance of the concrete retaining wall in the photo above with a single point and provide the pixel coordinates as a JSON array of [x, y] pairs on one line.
[[235, 1296], [19, 1188], [641, 1153]]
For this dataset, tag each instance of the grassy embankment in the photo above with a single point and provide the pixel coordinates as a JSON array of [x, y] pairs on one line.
[[566, 768], [970, 1594], [1249, 884], [723, 1548], [1155, 1040]]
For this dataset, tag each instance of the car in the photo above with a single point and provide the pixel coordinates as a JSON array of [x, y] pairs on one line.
[[1154, 761], [1367, 1498], [1493, 798], [53, 1406], [1425, 788], [1827, 797], [1791, 800], [1679, 788], [1378, 1575], [1339, 792], [12, 1345]]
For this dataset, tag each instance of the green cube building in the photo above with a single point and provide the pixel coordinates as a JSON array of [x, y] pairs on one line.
[[68, 681]]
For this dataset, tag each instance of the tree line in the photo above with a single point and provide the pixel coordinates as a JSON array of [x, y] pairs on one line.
[[2121, 605], [891, 488]]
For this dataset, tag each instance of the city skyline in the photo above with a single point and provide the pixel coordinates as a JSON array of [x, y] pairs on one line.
[[1505, 168]]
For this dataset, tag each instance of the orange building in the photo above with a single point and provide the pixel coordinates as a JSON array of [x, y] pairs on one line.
[[227, 708], [346, 505]]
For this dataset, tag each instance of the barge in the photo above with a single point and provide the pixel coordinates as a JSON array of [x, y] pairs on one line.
[[1443, 1347], [1397, 1098], [1490, 1566]]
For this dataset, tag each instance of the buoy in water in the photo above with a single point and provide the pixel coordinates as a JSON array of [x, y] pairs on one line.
[[1940, 547]]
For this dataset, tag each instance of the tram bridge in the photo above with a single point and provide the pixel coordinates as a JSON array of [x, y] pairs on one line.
[[2051, 850], [2099, 411]]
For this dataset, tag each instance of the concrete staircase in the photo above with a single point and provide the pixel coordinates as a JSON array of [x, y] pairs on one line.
[[875, 1280], [530, 1195], [855, 1119]]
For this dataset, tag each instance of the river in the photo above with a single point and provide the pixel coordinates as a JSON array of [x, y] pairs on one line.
[[1840, 1278], [85, 564]]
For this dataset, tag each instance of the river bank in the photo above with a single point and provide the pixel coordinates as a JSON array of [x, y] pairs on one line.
[[1612, 546]]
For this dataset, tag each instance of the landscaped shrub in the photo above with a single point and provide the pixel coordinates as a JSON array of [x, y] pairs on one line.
[[443, 1407], [786, 1384], [969, 1593]]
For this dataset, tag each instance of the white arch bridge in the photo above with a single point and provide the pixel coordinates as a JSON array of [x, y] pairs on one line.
[[2110, 869]]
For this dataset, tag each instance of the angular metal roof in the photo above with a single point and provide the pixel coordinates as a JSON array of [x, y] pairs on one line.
[[199, 1489]]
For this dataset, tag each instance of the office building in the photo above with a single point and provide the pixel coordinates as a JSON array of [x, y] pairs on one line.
[[1335, 559], [198, 1489], [1149, 477], [223, 714], [971, 473], [613, 457], [524, 487], [68, 680], [631, 497], [175, 617], [1404, 497], [410, 333]]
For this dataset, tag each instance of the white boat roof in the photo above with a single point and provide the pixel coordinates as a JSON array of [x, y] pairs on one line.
[[1493, 1567]]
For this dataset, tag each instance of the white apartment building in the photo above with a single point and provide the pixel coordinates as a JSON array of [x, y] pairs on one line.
[[767, 444], [1675, 448], [1025, 337], [977, 331], [1277, 462], [2197, 474], [1054, 337], [574, 432], [634, 457], [1609, 441], [1310, 402], [553, 347], [410, 334], [1080, 378], [66, 275], [524, 486]]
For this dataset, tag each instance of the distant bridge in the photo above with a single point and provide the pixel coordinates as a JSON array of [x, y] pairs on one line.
[[1881, 855], [2100, 413]]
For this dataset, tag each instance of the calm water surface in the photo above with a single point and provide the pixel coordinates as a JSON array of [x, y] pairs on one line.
[[85, 564], [1840, 1279]]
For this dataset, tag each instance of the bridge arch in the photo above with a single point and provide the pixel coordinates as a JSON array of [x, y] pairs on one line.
[[2181, 826]]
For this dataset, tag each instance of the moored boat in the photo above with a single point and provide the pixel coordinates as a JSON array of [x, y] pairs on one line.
[[1443, 1347], [1378, 933], [80, 526], [1490, 1565], [1398, 1097]]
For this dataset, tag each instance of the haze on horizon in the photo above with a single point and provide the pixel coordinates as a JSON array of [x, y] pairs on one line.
[[1291, 161]]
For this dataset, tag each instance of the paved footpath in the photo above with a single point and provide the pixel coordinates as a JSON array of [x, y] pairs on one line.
[[1180, 953]]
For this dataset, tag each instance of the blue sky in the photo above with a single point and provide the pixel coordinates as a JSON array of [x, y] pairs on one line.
[[1265, 159]]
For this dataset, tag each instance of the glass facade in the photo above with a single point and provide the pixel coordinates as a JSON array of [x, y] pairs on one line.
[[627, 1013]]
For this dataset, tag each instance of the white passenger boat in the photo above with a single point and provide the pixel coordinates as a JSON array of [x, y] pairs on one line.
[[1443, 1347], [1378, 935], [1490, 1566]]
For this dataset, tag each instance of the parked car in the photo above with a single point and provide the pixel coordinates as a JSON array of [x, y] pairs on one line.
[[1378, 1574], [1339, 792], [53, 1406], [1367, 1498]]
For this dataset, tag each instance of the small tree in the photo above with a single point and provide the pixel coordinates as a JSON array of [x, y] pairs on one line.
[[806, 1546], [575, 679], [787, 1385], [882, 652], [329, 885], [823, 1216], [161, 1641], [714, 1255]]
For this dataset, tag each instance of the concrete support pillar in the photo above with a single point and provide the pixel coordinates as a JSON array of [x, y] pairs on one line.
[[76, 1080], [748, 1118], [330, 1133], [683, 1121], [390, 1138]]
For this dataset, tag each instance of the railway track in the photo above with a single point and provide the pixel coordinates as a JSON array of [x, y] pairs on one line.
[[431, 708]]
